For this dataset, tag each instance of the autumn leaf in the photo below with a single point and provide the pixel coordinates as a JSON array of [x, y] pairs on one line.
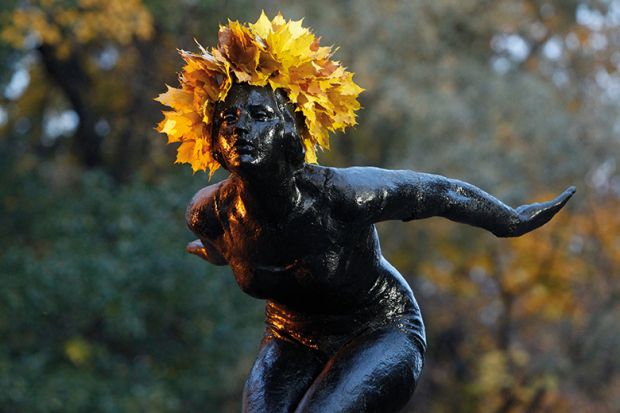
[[178, 99]]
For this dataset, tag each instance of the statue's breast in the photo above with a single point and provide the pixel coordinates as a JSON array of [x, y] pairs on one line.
[[301, 257]]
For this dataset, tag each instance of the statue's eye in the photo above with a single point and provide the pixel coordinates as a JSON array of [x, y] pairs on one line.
[[261, 115], [229, 117]]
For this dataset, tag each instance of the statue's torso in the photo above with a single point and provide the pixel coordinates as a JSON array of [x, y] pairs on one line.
[[320, 269], [309, 258]]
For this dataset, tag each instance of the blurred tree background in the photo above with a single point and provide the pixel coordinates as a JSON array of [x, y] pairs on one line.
[[101, 309]]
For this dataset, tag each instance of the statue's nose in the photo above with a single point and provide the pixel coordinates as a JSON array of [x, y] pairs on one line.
[[242, 126]]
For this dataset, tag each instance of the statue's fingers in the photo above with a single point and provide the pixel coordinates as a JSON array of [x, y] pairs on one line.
[[553, 206], [195, 247], [559, 202], [549, 209], [566, 195]]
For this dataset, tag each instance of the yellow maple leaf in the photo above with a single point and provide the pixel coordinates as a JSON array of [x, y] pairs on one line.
[[178, 99]]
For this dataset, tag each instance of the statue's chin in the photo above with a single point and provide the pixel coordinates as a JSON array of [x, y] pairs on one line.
[[244, 164], [252, 165]]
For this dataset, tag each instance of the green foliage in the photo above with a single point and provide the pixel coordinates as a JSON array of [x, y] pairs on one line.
[[101, 308]]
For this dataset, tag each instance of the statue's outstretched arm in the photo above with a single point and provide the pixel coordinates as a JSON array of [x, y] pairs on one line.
[[375, 195], [462, 202]]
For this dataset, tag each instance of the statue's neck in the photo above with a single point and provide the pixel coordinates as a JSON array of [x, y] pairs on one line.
[[273, 194]]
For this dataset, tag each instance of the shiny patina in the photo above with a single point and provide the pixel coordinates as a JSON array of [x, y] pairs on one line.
[[343, 330]]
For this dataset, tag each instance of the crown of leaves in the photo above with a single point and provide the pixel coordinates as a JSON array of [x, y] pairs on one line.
[[277, 53]]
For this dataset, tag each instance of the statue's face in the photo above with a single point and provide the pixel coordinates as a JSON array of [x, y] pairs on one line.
[[250, 134]]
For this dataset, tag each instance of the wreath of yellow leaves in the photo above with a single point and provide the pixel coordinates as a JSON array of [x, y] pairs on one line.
[[277, 53]]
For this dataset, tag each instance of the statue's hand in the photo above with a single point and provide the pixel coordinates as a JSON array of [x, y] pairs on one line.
[[532, 216], [206, 251], [196, 247]]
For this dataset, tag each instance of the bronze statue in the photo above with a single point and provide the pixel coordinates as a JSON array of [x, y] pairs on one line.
[[343, 330]]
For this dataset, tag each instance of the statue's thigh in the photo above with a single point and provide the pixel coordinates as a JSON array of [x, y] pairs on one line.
[[280, 376], [374, 373]]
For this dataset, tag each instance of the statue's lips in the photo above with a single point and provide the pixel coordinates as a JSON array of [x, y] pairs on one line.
[[244, 149]]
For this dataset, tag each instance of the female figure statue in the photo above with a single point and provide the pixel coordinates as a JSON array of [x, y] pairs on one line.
[[343, 330]]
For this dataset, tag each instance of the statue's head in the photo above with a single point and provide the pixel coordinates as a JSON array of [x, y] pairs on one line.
[[285, 63], [256, 129]]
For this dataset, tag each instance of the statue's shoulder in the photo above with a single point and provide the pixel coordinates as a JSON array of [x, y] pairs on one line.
[[314, 175], [341, 180], [361, 194], [319, 180], [338, 188], [202, 215]]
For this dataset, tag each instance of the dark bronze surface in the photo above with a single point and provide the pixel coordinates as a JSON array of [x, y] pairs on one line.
[[343, 330]]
